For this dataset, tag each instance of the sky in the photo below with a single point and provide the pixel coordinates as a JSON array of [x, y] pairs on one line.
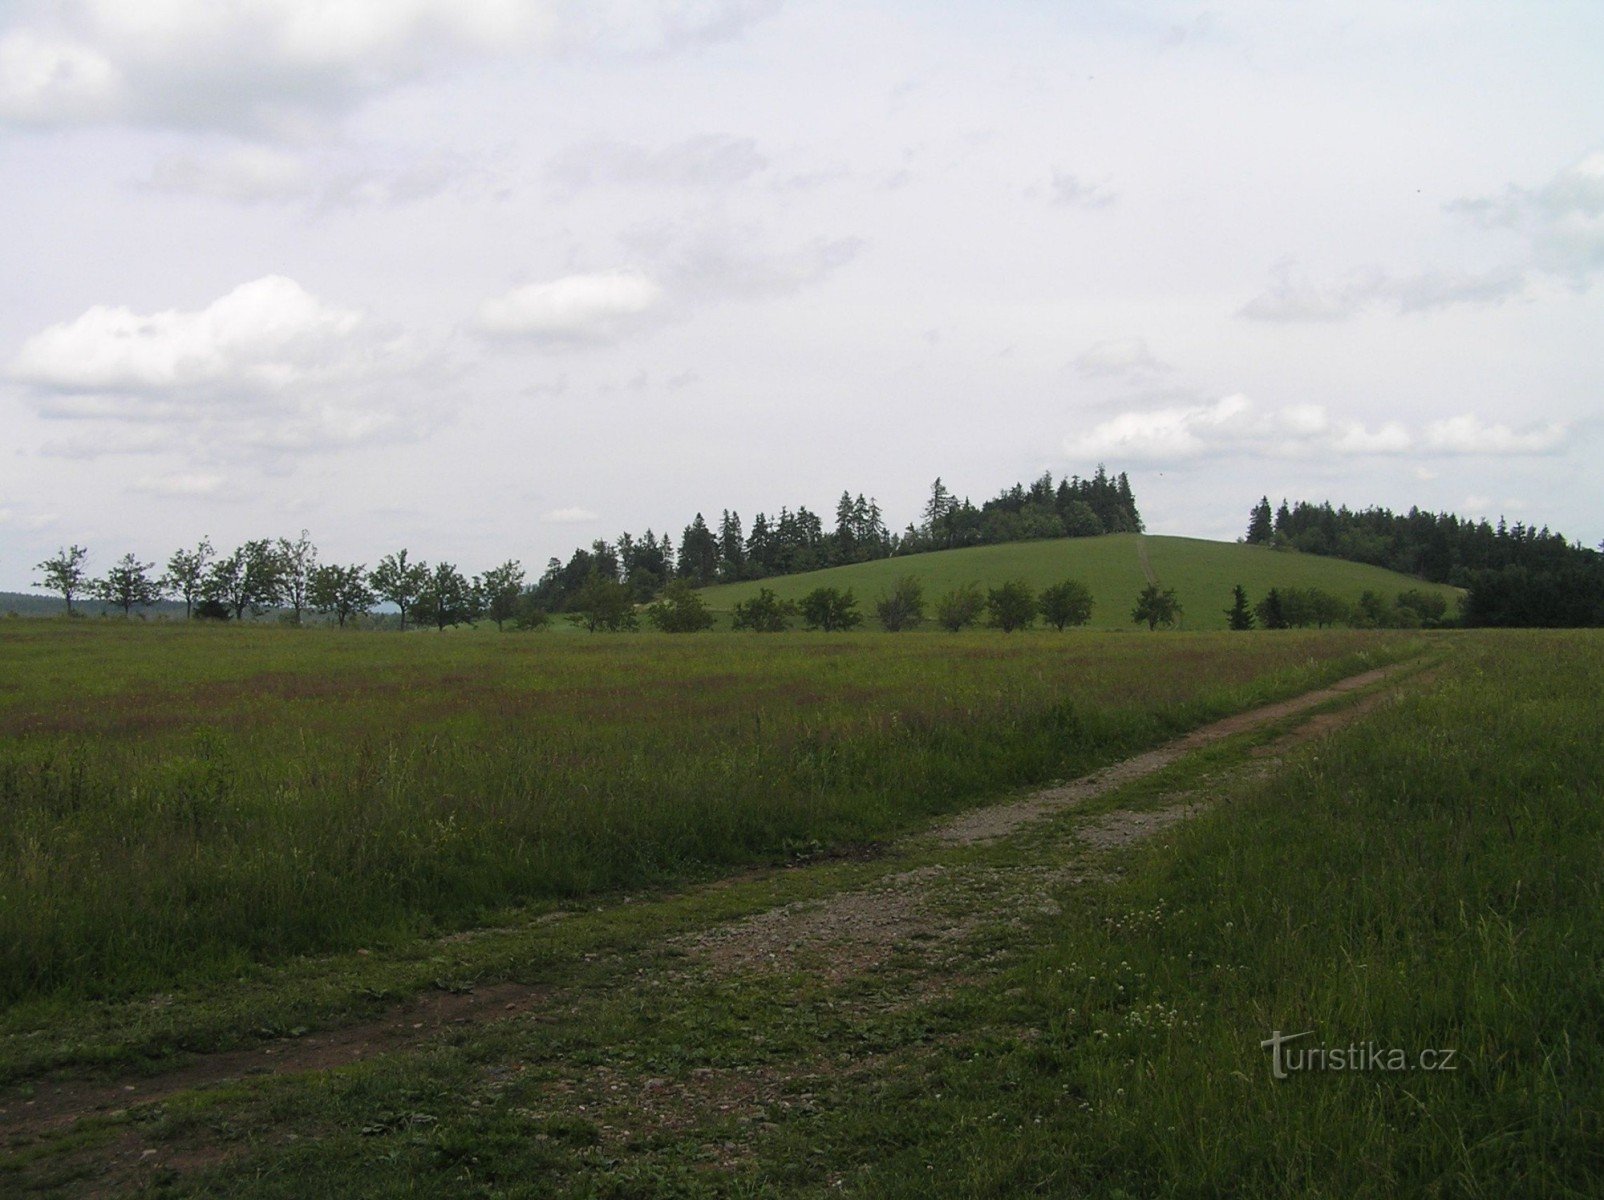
[[491, 279]]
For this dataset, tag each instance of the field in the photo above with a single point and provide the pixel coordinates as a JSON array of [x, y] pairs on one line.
[[1201, 572], [296, 913]]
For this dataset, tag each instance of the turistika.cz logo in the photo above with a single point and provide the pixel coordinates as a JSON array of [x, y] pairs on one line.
[[1287, 1059]]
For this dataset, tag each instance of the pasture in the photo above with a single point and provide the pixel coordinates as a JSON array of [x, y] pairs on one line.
[[1201, 572], [180, 799], [298, 913]]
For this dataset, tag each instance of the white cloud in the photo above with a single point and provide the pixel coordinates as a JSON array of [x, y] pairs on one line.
[[1562, 222], [283, 68], [1119, 356], [1293, 297], [722, 262], [249, 175], [1468, 434], [576, 308], [263, 335], [180, 485], [267, 66], [46, 80], [1236, 426], [570, 516], [267, 367], [710, 160], [1564, 219], [1073, 192], [256, 173]]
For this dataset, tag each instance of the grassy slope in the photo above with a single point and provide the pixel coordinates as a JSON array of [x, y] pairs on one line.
[[1201, 572]]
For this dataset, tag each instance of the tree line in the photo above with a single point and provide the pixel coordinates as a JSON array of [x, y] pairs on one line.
[[1514, 575], [285, 574], [797, 541]]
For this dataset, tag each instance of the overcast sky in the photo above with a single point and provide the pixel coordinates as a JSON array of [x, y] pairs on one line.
[[493, 278]]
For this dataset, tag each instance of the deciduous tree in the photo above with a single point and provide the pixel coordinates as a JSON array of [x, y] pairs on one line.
[[762, 613], [247, 579], [64, 572], [681, 610], [960, 608], [604, 605], [499, 589], [296, 561], [1011, 606], [1157, 606], [830, 609], [399, 581], [186, 574], [446, 598], [904, 607], [127, 584], [1067, 603], [342, 591]]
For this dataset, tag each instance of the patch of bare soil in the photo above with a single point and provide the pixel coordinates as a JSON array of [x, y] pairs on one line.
[[861, 929], [1114, 830]]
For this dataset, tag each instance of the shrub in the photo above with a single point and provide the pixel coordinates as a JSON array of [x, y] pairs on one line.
[[1067, 603], [830, 609], [1011, 606], [960, 607], [904, 607], [763, 613], [680, 610]]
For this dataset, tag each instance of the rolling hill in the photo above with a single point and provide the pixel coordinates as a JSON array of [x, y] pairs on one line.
[[1115, 567]]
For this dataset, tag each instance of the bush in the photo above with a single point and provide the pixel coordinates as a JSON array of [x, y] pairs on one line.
[[1011, 606], [904, 607], [1157, 606], [680, 610], [830, 609], [960, 607], [1067, 603], [763, 613]]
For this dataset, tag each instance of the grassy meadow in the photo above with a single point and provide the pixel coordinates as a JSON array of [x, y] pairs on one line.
[[202, 823], [1426, 882], [1201, 572], [182, 800]]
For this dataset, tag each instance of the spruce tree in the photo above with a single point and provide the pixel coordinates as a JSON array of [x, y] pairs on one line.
[[1239, 614]]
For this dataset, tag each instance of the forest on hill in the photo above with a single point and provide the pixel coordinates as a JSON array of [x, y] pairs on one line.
[[1517, 575], [795, 542]]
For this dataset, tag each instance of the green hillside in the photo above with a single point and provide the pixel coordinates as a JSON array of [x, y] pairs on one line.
[[1201, 572]]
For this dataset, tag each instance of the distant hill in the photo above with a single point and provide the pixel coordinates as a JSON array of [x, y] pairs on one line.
[[1115, 567], [43, 604]]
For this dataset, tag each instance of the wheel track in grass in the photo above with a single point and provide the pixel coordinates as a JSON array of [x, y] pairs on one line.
[[854, 929]]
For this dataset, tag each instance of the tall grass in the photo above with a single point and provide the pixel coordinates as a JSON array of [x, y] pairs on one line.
[[1427, 881], [177, 801]]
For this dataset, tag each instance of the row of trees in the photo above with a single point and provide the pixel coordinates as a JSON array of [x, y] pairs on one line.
[[1516, 575], [797, 541], [285, 574], [1010, 606], [1299, 608]]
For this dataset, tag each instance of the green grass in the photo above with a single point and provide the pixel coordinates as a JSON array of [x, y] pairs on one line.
[[1201, 572], [1427, 881], [1424, 879], [181, 801]]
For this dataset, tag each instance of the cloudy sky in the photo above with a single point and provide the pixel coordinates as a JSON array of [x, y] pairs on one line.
[[492, 278]]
